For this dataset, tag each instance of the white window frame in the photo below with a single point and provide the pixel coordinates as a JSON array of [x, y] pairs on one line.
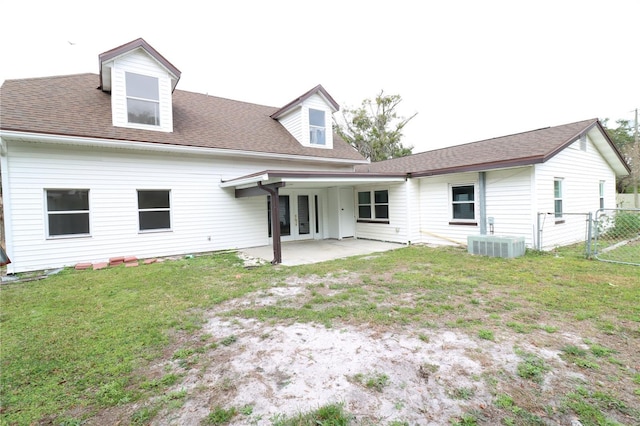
[[154, 209], [464, 221], [316, 130], [146, 100], [601, 189], [372, 204], [558, 198], [49, 213]]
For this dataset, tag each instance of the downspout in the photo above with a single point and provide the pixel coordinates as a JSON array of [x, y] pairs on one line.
[[482, 189], [275, 223]]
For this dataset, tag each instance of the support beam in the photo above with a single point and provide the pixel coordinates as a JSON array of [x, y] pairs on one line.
[[272, 190], [255, 191]]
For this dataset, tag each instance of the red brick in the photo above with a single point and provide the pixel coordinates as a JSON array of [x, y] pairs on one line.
[[100, 265], [128, 264], [116, 259], [150, 261], [81, 266], [129, 259]]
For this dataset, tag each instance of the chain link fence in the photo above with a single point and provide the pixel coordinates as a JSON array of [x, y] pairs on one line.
[[615, 236], [611, 235], [565, 230]]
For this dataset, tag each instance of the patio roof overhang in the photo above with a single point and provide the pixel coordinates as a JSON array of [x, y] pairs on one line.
[[307, 179], [269, 182]]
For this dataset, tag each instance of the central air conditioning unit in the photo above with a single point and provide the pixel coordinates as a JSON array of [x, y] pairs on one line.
[[496, 246]]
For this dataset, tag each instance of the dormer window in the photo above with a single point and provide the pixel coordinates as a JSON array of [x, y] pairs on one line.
[[143, 99], [317, 127]]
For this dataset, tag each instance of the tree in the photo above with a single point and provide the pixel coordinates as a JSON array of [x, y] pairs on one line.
[[375, 129], [623, 138]]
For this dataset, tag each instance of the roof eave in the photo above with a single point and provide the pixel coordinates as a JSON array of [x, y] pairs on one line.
[[518, 162]]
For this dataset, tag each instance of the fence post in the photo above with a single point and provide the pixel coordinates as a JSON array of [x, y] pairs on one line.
[[589, 234]]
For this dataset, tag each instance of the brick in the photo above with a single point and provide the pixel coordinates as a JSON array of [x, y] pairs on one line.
[[131, 264], [129, 259], [116, 259], [100, 265], [116, 263], [82, 266], [150, 261]]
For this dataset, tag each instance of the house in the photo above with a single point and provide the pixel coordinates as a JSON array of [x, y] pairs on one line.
[[124, 163]]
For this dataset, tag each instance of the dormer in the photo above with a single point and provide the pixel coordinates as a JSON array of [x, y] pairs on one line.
[[309, 118], [141, 82]]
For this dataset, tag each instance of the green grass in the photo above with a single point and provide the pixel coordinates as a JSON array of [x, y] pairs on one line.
[[327, 415], [77, 338], [79, 341]]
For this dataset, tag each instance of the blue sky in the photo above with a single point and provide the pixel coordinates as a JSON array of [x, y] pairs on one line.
[[471, 69]]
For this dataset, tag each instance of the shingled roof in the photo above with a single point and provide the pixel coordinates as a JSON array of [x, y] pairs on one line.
[[536, 146], [74, 106]]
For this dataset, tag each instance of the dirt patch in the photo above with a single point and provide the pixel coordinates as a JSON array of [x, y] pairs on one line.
[[425, 376]]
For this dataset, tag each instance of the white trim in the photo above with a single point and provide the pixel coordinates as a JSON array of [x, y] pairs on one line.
[[346, 180], [6, 204], [150, 146]]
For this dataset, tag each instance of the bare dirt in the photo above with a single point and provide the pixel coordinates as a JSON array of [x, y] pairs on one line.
[[267, 370]]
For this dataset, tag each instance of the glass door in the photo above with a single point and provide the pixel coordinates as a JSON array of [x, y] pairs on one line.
[[295, 216]]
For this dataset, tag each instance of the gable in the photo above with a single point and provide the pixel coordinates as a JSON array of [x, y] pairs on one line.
[[527, 148], [141, 83], [309, 118]]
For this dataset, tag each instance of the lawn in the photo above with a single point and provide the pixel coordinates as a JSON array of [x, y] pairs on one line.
[[80, 344]]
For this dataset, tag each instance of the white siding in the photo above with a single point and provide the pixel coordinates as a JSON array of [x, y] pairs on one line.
[[317, 102], [581, 172], [435, 209], [140, 63], [293, 123], [297, 121], [204, 216], [397, 228], [508, 201]]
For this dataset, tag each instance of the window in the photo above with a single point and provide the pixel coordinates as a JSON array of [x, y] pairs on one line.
[[67, 212], [373, 206], [602, 194], [316, 127], [463, 202], [154, 210], [143, 99], [557, 198]]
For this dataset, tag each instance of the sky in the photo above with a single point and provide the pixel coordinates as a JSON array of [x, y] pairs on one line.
[[470, 69]]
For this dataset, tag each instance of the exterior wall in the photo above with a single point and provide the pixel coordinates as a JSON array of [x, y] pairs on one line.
[[297, 121], [508, 202], [435, 209], [316, 102], [293, 123], [139, 63], [204, 217], [581, 172], [397, 228]]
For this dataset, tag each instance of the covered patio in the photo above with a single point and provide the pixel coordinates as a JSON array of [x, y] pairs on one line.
[[313, 251]]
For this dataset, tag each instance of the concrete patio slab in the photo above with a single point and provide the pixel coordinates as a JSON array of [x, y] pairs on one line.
[[313, 251]]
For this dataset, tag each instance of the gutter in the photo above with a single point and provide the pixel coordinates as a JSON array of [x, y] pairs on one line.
[[157, 147]]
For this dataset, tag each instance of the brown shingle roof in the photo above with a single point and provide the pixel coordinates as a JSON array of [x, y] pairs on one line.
[[73, 105], [531, 147]]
